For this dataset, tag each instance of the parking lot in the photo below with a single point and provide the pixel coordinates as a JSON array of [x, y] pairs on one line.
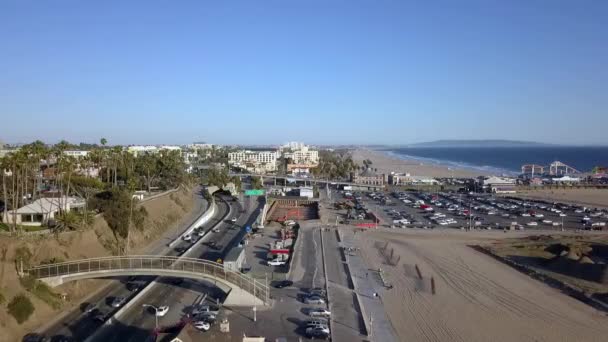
[[471, 211]]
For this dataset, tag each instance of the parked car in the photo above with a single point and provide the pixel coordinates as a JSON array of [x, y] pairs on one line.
[[283, 283], [202, 325], [276, 262], [319, 312], [162, 310], [532, 223], [317, 332], [314, 300]]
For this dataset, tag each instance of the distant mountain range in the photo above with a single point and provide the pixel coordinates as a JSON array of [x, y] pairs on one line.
[[479, 143]]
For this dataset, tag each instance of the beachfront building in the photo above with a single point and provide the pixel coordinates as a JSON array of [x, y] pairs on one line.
[[43, 211], [254, 161], [399, 178], [566, 180], [499, 185], [367, 177]]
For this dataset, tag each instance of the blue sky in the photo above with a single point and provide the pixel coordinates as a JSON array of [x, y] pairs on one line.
[[317, 71]]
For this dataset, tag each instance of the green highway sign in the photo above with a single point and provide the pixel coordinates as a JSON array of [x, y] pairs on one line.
[[254, 192]]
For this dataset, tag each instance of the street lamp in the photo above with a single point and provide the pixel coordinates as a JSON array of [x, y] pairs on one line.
[[155, 313]]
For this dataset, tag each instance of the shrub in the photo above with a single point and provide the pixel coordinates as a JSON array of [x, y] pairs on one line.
[[21, 308], [41, 290], [23, 254]]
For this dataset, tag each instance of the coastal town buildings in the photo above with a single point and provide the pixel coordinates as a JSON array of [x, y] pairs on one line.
[[254, 161]]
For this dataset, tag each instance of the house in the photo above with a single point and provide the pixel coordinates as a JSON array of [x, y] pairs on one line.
[[43, 211]]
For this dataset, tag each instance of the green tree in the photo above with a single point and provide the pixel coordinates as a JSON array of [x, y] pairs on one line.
[[21, 308], [256, 183]]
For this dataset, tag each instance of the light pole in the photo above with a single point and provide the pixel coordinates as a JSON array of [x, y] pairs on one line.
[[155, 313]]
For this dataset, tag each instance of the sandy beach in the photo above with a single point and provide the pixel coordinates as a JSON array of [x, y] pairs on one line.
[[477, 298], [587, 197], [387, 164]]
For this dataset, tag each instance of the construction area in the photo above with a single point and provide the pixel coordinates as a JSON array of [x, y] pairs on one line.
[[284, 209]]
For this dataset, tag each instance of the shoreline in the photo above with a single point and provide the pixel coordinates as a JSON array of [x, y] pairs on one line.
[[387, 162]]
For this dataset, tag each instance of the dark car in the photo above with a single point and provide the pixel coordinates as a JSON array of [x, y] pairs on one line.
[[177, 281], [283, 283], [133, 286], [34, 337]]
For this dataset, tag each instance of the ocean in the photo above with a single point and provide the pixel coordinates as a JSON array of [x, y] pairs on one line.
[[505, 160]]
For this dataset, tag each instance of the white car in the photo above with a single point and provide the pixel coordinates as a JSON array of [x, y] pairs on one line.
[[200, 232], [539, 215], [233, 220], [162, 310], [525, 215], [532, 224], [215, 230], [562, 215], [187, 237], [276, 263], [202, 325], [320, 312], [547, 222]]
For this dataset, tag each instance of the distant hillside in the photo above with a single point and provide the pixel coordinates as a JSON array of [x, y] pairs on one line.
[[478, 143]]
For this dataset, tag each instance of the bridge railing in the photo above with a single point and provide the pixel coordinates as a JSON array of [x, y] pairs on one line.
[[146, 262]]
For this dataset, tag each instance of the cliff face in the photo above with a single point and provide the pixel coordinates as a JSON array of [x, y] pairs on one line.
[[164, 213]]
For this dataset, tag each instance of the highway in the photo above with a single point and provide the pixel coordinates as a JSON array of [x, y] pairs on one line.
[[137, 323], [78, 325]]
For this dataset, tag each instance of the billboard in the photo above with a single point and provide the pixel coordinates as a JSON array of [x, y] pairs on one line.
[[254, 192]]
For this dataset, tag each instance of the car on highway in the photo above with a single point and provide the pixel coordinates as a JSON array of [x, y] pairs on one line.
[[283, 283], [319, 312], [276, 262], [314, 300], [200, 232], [35, 337], [162, 310], [133, 286], [187, 237], [118, 302], [215, 230], [233, 220], [318, 332], [98, 316], [202, 325], [180, 250]]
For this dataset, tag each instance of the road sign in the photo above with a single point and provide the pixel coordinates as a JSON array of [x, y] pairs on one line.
[[255, 192], [248, 229]]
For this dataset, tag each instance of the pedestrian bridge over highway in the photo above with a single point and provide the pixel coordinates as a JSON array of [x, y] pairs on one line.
[[242, 290]]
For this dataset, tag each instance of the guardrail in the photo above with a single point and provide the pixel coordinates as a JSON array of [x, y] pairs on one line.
[[166, 265]]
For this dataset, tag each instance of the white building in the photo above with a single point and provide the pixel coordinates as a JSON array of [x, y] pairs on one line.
[[200, 146], [303, 156], [170, 148], [294, 145], [499, 185], [42, 210], [254, 161], [137, 150], [76, 154]]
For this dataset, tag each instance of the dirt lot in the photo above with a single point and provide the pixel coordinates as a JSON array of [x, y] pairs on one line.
[[478, 298], [587, 197], [164, 213]]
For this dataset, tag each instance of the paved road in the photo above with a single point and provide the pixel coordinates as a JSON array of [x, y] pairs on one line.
[[79, 325], [136, 324], [347, 323]]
